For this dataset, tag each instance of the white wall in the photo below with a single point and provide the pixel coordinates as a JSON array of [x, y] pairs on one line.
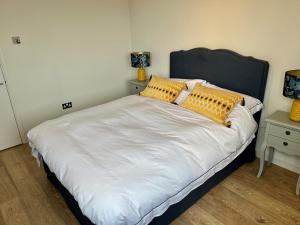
[[71, 50], [265, 29]]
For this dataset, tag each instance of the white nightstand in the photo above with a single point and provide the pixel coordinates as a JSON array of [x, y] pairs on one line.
[[137, 86], [282, 135]]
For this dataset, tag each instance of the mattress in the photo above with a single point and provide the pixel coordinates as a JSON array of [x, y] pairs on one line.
[[127, 161]]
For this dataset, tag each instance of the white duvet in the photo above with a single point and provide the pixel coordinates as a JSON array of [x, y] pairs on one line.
[[127, 161]]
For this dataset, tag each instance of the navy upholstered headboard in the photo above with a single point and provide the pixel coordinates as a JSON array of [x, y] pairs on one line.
[[222, 67]]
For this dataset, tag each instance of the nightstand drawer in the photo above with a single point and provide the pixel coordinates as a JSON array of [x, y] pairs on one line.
[[136, 86], [284, 145], [285, 133], [134, 89]]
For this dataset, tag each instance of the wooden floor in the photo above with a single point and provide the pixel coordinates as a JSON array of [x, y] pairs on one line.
[[26, 196]]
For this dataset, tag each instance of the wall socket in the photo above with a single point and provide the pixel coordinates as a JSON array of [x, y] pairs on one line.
[[66, 105], [16, 40]]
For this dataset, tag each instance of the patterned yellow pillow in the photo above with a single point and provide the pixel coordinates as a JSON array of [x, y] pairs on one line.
[[163, 89], [213, 103]]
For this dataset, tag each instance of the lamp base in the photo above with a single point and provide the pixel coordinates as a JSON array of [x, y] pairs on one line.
[[295, 111], [141, 74]]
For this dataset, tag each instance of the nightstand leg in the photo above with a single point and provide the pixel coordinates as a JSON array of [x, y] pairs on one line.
[[298, 186], [262, 162], [271, 155]]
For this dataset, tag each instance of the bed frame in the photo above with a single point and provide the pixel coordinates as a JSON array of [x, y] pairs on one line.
[[221, 67]]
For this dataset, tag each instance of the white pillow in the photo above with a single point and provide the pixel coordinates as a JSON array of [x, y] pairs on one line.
[[182, 96], [253, 104]]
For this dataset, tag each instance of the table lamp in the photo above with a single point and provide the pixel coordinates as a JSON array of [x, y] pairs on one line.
[[291, 89], [140, 60]]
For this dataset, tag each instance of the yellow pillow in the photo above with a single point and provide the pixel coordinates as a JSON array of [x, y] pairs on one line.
[[163, 89], [213, 103]]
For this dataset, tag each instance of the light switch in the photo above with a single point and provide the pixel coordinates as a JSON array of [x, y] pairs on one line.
[[16, 40]]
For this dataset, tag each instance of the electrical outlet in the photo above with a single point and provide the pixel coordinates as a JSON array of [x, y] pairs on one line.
[[66, 105], [16, 40]]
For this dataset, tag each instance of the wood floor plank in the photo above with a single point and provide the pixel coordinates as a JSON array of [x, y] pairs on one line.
[[285, 179], [1, 218], [1, 162], [287, 214], [30, 191], [7, 189], [13, 213], [221, 211], [179, 221], [197, 216], [283, 187], [243, 206]]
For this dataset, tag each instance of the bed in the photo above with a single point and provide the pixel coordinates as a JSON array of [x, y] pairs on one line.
[[221, 67]]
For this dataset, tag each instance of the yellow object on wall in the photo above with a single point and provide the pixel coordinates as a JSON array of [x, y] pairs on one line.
[[295, 111]]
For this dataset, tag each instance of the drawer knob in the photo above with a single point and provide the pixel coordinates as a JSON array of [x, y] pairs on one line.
[[285, 144], [136, 87], [287, 132]]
